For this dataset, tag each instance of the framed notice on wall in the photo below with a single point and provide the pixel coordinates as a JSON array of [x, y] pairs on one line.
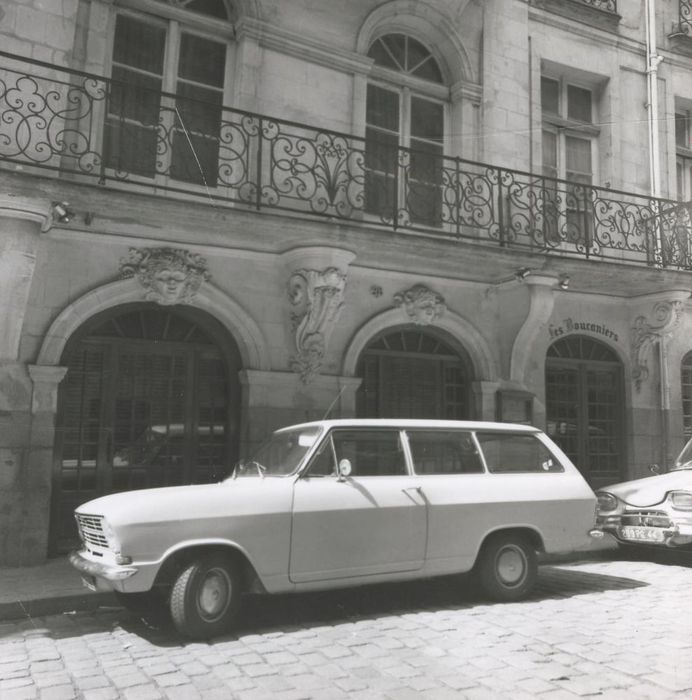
[[514, 406]]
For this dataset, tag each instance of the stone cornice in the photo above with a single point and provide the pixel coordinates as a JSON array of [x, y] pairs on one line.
[[296, 45]]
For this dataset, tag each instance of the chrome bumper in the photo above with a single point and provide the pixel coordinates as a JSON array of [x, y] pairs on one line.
[[88, 567]]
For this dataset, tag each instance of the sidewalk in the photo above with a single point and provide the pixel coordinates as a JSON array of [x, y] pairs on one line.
[[55, 587], [46, 589]]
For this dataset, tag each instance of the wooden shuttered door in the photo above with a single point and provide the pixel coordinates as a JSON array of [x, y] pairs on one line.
[[145, 403]]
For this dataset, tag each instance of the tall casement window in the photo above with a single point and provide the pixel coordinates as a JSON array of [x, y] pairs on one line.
[[169, 73], [412, 374], [683, 153], [569, 137], [405, 124], [686, 392]]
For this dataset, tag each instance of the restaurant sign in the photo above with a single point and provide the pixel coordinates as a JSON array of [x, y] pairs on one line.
[[569, 325]]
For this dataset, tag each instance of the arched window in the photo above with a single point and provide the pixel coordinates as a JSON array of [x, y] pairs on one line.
[[405, 125], [686, 393], [169, 72], [412, 374], [584, 399]]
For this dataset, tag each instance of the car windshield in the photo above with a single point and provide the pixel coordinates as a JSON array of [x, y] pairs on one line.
[[280, 455], [684, 461]]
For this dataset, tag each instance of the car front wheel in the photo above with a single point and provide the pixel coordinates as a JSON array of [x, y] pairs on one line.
[[507, 567], [205, 597]]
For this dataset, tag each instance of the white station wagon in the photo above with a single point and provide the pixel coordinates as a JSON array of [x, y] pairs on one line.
[[340, 503]]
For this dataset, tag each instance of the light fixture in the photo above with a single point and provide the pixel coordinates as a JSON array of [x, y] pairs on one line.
[[522, 273], [564, 282], [62, 212]]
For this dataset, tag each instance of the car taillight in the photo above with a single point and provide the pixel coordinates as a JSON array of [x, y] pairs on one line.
[[681, 500]]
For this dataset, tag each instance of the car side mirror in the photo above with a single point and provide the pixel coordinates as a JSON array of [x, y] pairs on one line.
[[654, 468], [345, 469]]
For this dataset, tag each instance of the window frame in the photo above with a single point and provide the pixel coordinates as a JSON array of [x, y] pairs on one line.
[[175, 21], [683, 156], [407, 87]]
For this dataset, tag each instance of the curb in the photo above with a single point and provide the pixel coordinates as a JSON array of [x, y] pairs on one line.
[[40, 607]]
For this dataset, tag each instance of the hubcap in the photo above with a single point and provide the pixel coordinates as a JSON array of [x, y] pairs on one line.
[[511, 566], [214, 595]]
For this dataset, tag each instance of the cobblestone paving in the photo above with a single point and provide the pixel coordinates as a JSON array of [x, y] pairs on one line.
[[612, 629]]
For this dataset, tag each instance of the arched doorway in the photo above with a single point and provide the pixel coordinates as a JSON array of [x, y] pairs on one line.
[[413, 374], [150, 398], [584, 406]]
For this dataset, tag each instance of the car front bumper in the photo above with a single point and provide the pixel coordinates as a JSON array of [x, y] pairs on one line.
[[100, 576]]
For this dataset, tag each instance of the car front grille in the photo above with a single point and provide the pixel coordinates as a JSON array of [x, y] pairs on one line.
[[646, 518], [91, 528]]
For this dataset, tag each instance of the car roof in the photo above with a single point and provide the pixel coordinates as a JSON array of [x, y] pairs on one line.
[[415, 423]]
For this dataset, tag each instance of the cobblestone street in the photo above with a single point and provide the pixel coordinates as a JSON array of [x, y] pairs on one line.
[[615, 629]]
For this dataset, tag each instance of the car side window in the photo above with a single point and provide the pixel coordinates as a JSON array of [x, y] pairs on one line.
[[322, 463], [370, 452], [444, 452], [507, 453]]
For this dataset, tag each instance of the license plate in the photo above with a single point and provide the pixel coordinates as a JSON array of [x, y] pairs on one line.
[[89, 582], [636, 533]]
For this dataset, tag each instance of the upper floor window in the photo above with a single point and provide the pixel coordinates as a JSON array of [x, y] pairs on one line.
[[683, 151], [570, 140], [405, 124], [686, 393], [168, 82]]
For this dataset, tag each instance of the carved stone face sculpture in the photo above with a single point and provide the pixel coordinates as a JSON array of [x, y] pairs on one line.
[[168, 275], [169, 284], [422, 305]]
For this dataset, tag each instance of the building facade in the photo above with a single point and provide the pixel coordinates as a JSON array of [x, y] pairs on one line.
[[218, 217]]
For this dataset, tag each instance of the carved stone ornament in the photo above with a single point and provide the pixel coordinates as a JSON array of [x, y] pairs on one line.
[[317, 298], [421, 304], [168, 275], [646, 333]]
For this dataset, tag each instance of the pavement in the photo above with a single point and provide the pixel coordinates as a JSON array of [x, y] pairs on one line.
[[55, 587]]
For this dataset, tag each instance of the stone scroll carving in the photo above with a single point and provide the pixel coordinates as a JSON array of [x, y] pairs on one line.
[[168, 275], [646, 332], [421, 305], [317, 298]]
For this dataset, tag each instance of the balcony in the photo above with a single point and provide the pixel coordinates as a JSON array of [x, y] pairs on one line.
[[602, 14], [681, 37], [84, 128]]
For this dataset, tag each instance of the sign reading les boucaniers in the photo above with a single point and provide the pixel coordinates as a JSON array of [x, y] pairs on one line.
[[569, 325]]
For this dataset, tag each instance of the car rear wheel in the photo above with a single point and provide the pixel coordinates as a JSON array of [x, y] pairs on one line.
[[205, 597], [507, 567]]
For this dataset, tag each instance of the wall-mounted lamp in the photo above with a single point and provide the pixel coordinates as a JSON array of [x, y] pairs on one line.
[[522, 273], [564, 282], [62, 212]]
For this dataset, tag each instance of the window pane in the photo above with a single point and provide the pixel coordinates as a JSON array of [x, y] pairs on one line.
[[370, 452], [201, 60], [382, 57], [578, 159], [506, 453], [139, 44], [201, 111], [550, 95], [579, 103], [396, 44], [444, 452], [213, 8], [681, 130], [427, 120], [135, 96], [382, 108], [549, 154]]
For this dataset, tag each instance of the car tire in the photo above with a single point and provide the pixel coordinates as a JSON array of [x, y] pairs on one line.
[[205, 597], [507, 567]]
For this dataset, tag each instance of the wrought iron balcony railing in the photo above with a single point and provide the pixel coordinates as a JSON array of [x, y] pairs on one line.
[[84, 127], [685, 17], [605, 5]]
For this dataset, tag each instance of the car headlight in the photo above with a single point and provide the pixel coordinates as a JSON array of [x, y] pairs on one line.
[[606, 502], [681, 500]]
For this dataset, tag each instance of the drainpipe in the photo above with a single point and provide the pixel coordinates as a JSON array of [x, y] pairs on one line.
[[652, 61]]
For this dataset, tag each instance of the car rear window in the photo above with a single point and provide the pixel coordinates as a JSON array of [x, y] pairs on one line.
[[507, 453], [444, 452]]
